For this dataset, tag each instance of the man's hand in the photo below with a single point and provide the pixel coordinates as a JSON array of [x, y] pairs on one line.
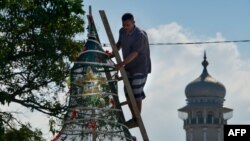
[[130, 58], [110, 54], [119, 65]]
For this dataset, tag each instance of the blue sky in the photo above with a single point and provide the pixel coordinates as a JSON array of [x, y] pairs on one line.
[[173, 67], [202, 18]]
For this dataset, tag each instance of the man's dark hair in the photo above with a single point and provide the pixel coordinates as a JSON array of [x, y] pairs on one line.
[[127, 16]]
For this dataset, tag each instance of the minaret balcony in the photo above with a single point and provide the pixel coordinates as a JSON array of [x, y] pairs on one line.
[[208, 120]]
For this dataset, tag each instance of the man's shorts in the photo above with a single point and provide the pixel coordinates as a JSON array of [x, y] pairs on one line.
[[137, 82]]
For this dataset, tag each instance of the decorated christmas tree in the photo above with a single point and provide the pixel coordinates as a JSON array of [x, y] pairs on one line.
[[94, 111]]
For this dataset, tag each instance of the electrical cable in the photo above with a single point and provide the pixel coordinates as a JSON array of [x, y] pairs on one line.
[[192, 43]]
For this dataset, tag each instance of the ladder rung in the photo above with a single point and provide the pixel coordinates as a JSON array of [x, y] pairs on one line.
[[123, 103], [119, 78]]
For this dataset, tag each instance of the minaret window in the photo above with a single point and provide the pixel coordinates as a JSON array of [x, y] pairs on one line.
[[199, 117], [210, 117]]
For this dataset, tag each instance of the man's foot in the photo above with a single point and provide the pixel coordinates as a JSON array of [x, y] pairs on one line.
[[134, 138], [131, 123]]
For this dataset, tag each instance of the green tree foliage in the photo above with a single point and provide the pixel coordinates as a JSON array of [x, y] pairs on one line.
[[1, 128], [37, 44], [23, 134], [15, 130]]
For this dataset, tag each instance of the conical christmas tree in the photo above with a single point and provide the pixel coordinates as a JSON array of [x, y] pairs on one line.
[[94, 112]]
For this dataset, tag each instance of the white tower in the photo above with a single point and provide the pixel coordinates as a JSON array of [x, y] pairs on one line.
[[204, 114]]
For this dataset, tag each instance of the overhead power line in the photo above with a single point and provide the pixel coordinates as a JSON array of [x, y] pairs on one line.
[[212, 42], [192, 43]]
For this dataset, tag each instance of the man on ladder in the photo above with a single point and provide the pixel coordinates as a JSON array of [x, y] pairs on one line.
[[136, 60]]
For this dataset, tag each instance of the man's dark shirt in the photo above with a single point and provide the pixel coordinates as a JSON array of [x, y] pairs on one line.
[[135, 41]]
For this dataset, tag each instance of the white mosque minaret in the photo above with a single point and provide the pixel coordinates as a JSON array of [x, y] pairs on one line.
[[204, 115]]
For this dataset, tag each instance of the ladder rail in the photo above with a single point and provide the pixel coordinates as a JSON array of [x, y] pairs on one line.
[[130, 97], [108, 75]]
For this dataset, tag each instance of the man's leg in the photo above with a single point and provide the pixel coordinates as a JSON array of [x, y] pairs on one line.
[[139, 105], [137, 83], [133, 121]]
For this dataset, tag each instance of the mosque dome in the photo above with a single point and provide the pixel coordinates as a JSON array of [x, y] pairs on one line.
[[205, 85]]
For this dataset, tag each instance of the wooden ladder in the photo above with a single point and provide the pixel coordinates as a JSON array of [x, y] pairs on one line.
[[130, 97]]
